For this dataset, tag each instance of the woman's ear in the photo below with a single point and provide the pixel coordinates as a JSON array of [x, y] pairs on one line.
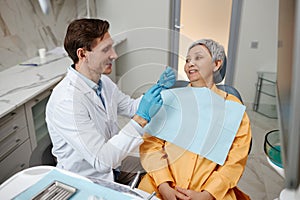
[[218, 64]]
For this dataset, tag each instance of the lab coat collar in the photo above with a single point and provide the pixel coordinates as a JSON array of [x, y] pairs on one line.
[[89, 82], [82, 86], [78, 82]]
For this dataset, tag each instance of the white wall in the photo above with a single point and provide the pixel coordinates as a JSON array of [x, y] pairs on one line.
[[259, 23], [145, 53]]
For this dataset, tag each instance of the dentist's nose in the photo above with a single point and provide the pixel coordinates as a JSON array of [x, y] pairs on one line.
[[113, 55]]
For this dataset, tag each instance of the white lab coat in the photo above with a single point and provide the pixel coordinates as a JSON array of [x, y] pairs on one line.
[[85, 136]]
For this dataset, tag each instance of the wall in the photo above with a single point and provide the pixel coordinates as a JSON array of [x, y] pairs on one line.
[[259, 22], [145, 53], [24, 28]]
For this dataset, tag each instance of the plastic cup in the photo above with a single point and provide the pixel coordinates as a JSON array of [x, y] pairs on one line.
[[42, 53]]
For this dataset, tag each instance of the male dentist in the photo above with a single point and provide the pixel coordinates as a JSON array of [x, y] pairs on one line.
[[82, 111]]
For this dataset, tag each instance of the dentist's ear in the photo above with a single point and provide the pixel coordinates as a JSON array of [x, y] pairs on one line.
[[80, 53]]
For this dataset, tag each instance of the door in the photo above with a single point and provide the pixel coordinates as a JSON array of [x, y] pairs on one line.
[[196, 19], [175, 33]]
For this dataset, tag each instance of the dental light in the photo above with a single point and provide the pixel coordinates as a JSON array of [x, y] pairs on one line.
[[45, 6]]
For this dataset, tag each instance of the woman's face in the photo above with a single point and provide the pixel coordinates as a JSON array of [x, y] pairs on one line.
[[199, 66]]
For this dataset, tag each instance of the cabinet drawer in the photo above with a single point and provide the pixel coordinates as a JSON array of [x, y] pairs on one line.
[[12, 142], [15, 162], [12, 122]]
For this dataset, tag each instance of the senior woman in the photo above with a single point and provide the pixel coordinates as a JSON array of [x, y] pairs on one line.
[[192, 176]]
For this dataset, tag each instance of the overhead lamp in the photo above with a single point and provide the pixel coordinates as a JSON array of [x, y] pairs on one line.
[[45, 6]]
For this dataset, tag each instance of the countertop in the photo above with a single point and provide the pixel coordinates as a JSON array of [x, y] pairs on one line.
[[19, 84]]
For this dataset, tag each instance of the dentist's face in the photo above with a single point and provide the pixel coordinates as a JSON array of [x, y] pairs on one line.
[[102, 55], [199, 66]]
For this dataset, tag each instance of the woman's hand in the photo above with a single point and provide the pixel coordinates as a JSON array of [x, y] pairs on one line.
[[168, 193], [193, 195]]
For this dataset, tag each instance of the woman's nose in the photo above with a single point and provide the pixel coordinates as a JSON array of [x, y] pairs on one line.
[[190, 64]]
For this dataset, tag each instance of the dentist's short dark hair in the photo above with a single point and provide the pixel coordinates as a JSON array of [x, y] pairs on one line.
[[82, 33]]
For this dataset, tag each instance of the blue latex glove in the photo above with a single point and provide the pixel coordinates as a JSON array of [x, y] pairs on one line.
[[167, 78], [150, 103]]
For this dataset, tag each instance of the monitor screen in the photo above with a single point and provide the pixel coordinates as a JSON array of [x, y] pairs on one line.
[[288, 88]]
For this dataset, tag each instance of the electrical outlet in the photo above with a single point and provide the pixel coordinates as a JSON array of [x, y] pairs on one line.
[[254, 45]]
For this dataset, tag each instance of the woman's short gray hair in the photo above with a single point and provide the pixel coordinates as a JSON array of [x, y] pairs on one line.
[[217, 53]]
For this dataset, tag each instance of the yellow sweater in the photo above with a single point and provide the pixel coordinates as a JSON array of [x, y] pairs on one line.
[[166, 162]]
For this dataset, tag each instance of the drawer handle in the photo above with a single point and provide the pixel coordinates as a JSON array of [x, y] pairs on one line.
[[15, 170], [7, 118], [11, 149], [14, 130], [22, 166]]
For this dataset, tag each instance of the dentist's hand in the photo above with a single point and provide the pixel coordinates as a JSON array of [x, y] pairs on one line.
[[150, 103], [167, 78]]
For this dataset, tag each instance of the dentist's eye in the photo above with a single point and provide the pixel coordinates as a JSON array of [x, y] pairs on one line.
[[106, 49]]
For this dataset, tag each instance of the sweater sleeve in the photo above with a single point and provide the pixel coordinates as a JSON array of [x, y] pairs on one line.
[[154, 159]]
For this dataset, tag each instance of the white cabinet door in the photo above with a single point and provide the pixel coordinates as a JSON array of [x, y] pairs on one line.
[[35, 115]]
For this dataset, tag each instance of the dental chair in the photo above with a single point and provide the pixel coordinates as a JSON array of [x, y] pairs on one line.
[[227, 88], [42, 154]]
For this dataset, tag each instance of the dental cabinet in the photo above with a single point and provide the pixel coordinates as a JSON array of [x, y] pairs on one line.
[[15, 147], [24, 92]]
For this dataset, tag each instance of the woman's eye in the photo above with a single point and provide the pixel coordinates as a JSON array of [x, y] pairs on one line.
[[187, 60]]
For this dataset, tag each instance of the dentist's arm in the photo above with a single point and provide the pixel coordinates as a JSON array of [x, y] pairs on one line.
[[141, 121]]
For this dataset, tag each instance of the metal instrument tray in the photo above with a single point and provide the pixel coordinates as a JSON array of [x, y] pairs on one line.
[[56, 191]]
